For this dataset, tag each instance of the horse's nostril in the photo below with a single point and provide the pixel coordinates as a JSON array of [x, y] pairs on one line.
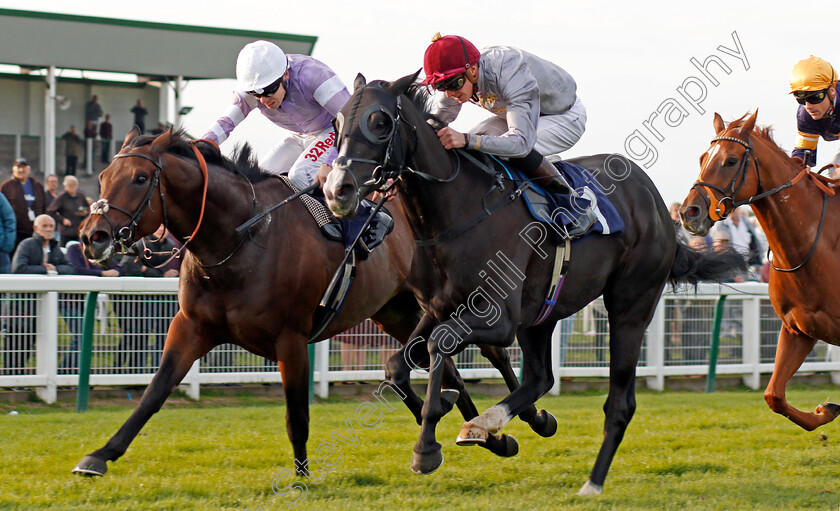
[[692, 212], [99, 237], [344, 191]]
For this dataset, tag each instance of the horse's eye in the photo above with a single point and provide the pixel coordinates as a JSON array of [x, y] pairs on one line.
[[730, 161], [140, 179]]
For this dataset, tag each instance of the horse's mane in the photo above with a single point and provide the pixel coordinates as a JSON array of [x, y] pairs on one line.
[[422, 100], [243, 161], [765, 133]]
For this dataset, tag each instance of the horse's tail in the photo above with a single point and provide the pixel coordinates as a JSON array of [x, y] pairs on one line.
[[694, 266]]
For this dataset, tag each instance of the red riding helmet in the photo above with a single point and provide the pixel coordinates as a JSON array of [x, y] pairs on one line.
[[448, 56]]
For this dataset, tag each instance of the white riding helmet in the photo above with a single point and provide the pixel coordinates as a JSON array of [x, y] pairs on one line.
[[259, 65]]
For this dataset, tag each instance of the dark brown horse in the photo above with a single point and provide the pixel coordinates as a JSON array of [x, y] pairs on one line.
[[259, 291], [382, 132], [800, 215]]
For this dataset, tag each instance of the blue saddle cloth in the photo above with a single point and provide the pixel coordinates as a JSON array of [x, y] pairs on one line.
[[547, 207]]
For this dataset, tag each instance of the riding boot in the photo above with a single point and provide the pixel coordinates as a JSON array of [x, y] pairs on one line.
[[547, 176]]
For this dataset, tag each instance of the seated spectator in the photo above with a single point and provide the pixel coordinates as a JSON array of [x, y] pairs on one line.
[[69, 209], [51, 188], [73, 312], [39, 254]]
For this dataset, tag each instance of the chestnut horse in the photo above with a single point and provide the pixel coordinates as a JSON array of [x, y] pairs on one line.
[[259, 291], [800, 215], [454, 210]]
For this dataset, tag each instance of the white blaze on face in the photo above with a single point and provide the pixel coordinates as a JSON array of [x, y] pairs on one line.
[[710, 155]]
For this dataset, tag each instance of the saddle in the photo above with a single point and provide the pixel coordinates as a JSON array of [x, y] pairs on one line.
[[345, 231]]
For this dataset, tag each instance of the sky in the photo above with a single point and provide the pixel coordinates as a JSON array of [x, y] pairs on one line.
[[632, 61]]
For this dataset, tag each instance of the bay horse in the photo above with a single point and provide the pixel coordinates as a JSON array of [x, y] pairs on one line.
[[259, 291], [800, 215], [383, 132]]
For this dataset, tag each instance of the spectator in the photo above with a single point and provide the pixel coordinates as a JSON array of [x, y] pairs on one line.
[[698, 243], [72, 150], [51, 188], [106, 134], [140, 114], [27, 197], [140, 316], [38, 254], [93, 111], [8, 234], [69, 209], [743, 237], [72, 302]]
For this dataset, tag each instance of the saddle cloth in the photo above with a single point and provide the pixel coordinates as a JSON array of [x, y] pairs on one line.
[[346, 231], [549, 208]]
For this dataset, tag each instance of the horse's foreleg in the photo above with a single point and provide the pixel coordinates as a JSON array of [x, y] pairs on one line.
[[293, 360], [791, 351], [183, 347], [543, 423]]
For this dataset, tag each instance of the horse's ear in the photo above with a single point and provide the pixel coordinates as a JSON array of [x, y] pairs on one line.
[[359, 82], [400, 86], [718, 123], [162, 141], [748, 125], [130, 136]]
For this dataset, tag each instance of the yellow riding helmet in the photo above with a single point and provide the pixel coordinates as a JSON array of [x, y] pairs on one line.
[[812, 74]]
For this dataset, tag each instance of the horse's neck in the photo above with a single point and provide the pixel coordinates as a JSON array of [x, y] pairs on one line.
[[435, 207], [787, 216], [226, 206]]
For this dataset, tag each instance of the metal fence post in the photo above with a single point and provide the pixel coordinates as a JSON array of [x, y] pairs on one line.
[[751, 340], [713, 352], [656, 347], [83, 391], [322, 360]]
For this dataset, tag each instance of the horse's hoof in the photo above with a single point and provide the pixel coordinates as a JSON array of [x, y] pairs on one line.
[[832, 409], [448, 397], [548, 422], [90, 466], [426, 463], [471, 435], [505, 446], [589, 489]]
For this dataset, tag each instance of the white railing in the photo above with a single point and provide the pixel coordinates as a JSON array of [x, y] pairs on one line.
[[41, 318]]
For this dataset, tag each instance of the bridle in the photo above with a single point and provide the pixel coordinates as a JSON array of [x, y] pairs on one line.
[[392, 163], [123, 237], [740, 179]]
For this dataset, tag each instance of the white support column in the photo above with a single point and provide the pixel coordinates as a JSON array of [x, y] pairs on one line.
[[17, 146], [179, 87], [751, 340], [89, 156], [164, 102], [49, 124], [46, 345], [656, 347], [322, 365]]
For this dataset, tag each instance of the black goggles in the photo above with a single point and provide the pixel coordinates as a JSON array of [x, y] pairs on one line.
[[268, 90], [453, 83], [813, 98]]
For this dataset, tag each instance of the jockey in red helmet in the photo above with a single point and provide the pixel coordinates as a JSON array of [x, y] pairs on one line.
[[535, 105]]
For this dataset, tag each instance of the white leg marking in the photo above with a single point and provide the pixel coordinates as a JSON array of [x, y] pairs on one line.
[[493, 419]]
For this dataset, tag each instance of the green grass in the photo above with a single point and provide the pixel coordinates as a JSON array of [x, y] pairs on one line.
[[682, 451]]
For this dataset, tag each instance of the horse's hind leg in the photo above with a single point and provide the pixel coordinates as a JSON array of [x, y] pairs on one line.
[[629, 314], [791, 351], [183, 347], [536, 381], [543, 423]]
